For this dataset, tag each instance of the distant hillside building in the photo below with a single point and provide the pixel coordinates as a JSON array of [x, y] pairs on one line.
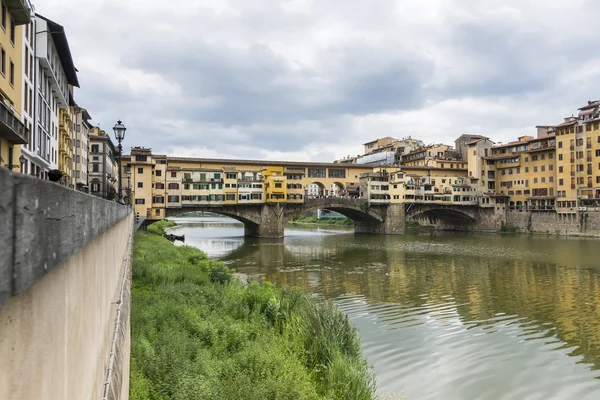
[[461, 144]]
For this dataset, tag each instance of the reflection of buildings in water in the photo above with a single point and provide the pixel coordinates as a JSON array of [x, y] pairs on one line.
[[480, 289], [228, 245], [557, 301], [228, 223], [312, 251], [215, 247]]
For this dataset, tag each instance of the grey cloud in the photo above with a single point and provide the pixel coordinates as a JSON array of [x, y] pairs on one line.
[[258, 85], [258, 78]]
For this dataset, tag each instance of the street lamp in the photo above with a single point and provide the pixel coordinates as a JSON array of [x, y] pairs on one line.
[[22, 160], [119, 130]]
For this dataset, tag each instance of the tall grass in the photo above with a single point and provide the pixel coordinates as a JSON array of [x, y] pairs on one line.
[[199, 334]]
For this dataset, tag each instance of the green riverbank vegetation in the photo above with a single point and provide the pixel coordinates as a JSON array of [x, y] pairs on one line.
[[198, 333], [509, 229], [158, 228]]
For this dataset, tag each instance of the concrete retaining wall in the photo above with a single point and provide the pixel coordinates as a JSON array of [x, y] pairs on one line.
[[63, 261]]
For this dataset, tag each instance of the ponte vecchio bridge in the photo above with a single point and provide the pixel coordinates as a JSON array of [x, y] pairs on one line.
[[264, 195]]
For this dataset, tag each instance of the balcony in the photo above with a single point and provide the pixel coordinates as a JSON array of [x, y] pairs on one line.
[[11, 128], [19, 10]]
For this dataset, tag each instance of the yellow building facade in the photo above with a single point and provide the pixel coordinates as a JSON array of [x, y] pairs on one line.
[[13, 133], [159, 182], [556, 170], [429, 156], [524, 171], [275, 184], [65, 146], [578, 160]]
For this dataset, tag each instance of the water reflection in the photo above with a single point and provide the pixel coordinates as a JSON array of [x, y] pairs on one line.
[[451, 316]]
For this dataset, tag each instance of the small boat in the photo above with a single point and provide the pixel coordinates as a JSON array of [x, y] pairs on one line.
[[173, 238]]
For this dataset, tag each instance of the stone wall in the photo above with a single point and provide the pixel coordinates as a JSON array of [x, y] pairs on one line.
[[393, 221], [64, 277], [549, 222]]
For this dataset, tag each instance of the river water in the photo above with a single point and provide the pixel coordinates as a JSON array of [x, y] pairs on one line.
[[448, 316]]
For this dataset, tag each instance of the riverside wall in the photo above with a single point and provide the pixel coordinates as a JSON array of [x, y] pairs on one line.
[[64, 292], [552, 223]]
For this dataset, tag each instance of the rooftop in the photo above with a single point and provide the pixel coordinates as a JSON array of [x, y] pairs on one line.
[[566, 123], [266, 162], [377, 140], [472, 142], [62, 47], [590, 104]]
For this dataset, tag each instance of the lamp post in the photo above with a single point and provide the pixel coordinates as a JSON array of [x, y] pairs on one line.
[[119, 130], [22, 160]]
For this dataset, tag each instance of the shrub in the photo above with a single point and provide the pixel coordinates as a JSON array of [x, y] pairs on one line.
[[509, 229], [220, 274], [158, 228], [192, 254]]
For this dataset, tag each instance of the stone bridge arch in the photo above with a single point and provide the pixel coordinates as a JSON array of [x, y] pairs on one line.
[[249, 216], [356, 210], [449, 214], [268, 220]]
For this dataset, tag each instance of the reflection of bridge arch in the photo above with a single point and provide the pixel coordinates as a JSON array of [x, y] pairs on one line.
[[249, 219], [440, 212]]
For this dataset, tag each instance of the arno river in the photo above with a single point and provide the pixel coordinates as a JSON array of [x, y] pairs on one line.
[[443, 315]]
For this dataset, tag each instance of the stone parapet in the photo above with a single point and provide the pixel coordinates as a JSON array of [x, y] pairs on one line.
[[43, 225]]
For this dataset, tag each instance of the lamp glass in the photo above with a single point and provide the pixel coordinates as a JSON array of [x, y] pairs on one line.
[[119, 130]]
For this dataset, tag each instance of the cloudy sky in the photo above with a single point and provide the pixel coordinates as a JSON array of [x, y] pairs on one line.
[[314, 79]]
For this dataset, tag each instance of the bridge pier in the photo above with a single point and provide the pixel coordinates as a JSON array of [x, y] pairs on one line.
[[272, 221], [392, 224]]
